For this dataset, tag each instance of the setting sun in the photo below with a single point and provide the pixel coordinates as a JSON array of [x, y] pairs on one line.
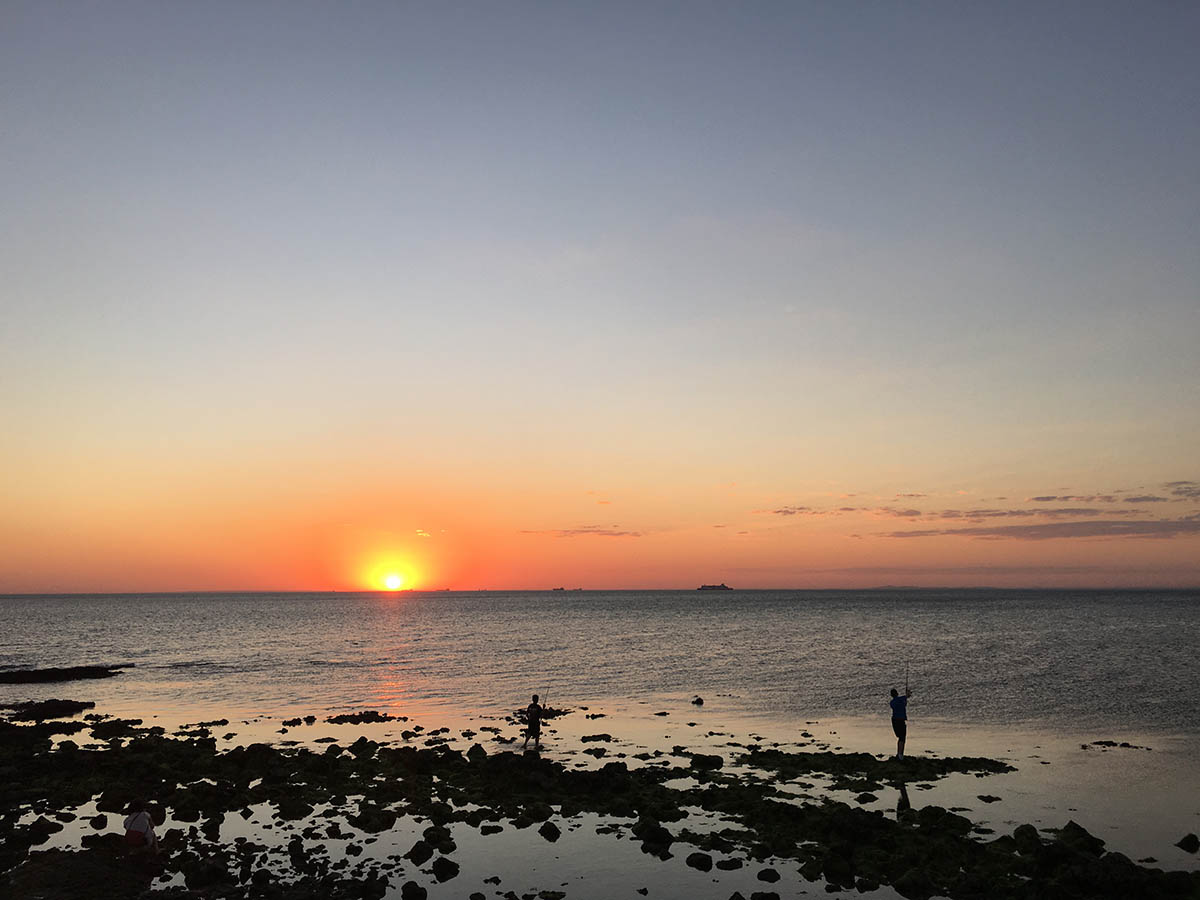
[[393, 582]]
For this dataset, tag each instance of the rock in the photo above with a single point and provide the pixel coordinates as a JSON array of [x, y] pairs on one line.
[[292, 808], [706, 761], [70, 673], [38, 711], [99, 822], [865, 797], [363, 748], [656, 840], [698, 700], [444, 869], [935, 818], [41, 828], [1027, 839], [768, 875], [989, 798], [490, 829], [766, 895], [410, 890], [729, 865], [1078, 838], [92, 874], [373, 819], [914, 883], [476, 753], [1189, 843], [419, 853], [360, 718], [589, 738], [199, 873], [550, 831], [539, 812], [701, 861]]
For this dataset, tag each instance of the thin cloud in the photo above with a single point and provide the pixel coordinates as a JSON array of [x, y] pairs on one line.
[[587, 531], [788, 511], [1184, 490], [1147, 498], [1057, 512], [1072, 498], [1108, 528], [898, 513]]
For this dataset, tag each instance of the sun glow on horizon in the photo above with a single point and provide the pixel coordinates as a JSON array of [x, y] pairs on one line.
[[390, 574]]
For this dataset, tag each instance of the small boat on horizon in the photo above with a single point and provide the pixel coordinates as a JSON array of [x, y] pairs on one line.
[[715, 587]]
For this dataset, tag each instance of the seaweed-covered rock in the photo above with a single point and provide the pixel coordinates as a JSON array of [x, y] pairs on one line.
[[701, 861], [550, 831], [1189, 843], [410, 890]]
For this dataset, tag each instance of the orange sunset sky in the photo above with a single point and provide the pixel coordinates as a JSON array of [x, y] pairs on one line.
[[604, 297]]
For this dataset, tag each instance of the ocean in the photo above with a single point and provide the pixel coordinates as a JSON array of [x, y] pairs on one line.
[[1054, 660]]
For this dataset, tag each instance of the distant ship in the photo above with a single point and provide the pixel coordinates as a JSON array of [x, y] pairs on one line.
[[715, 587]]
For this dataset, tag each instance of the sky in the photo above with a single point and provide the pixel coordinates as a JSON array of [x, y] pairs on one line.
[[616, 295]]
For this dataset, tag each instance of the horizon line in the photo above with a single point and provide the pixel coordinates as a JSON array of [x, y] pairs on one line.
[[556, 590]]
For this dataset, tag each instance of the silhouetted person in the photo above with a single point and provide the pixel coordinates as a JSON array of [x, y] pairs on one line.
[[533, 724], [900, 719]]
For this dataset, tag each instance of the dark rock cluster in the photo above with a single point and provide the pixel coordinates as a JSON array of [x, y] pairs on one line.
[[919, 853]]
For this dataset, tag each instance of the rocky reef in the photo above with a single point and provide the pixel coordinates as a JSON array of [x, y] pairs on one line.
[[364, 788]]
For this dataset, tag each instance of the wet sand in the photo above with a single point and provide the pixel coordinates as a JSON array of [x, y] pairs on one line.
[[621, 802]]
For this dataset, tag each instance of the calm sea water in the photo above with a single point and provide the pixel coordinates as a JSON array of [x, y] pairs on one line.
[[1062, 660]]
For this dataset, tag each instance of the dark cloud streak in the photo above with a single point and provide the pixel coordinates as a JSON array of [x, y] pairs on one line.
[[1146, 528]]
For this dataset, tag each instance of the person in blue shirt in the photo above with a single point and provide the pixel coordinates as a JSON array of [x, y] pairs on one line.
[[900, 719]]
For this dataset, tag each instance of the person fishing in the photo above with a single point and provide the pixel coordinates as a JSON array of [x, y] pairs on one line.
[[533, 724], [899, 706]]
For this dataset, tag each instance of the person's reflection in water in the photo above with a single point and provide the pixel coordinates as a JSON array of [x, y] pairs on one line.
[[902, 805]]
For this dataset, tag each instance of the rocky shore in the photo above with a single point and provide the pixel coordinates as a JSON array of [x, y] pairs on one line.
[[331, 806]]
